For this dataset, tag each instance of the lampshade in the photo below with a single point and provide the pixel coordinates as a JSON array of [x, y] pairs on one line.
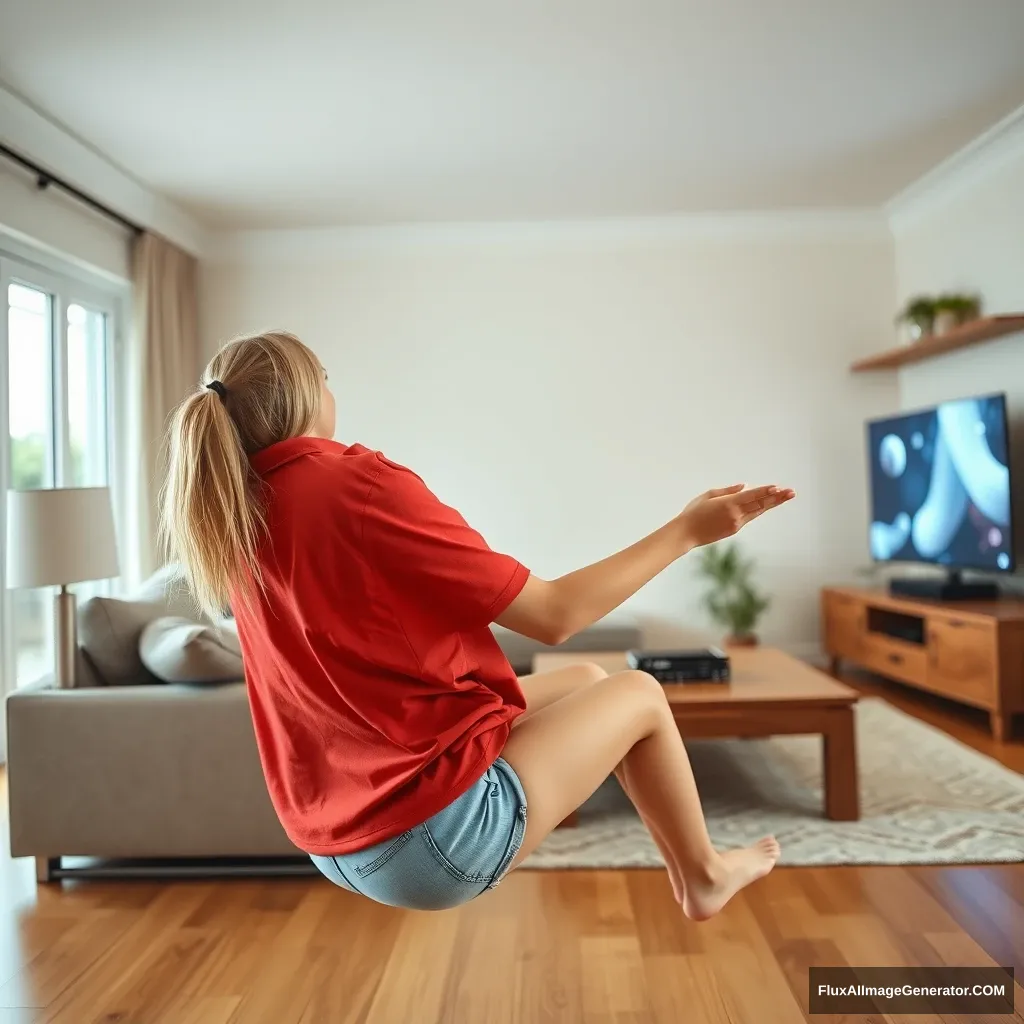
[[60, 536]]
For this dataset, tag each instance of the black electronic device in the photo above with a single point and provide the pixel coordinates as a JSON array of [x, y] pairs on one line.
[[944, 588], [701, 665], [941, 493]]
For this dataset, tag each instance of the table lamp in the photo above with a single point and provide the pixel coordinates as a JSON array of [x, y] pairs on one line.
[[56, 537]]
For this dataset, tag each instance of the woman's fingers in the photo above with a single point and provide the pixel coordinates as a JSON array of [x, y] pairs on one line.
[[721, 492], [755, 494], [753, 501], [756, 498], [753, 509]]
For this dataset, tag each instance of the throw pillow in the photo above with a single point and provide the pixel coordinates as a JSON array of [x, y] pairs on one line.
[[178, 650], [109, 628]]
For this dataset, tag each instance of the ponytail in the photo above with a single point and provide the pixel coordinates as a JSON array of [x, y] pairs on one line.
[[261, 390], [212, 520]]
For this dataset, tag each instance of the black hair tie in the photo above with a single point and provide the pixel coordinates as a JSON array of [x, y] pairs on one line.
[[215, 385]]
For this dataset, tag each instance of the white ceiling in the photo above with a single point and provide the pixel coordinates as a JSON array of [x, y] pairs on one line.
[[323, 112]]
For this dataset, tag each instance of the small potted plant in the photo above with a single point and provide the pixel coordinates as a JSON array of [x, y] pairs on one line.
[[918, 317], [953, 309], [732, 599]]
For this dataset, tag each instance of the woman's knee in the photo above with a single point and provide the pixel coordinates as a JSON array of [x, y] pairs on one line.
[[643, 701], [646, 687], [590, 672]]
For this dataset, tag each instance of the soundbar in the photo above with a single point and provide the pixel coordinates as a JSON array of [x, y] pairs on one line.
[[704, 665], [951, 588]]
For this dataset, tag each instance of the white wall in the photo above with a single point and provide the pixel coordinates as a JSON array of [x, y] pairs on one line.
[[972, 240], [569, 394], [971, 237]]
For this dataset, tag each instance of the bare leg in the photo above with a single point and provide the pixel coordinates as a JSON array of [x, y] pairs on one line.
[[543, 689], [675, 874], [563, 752]]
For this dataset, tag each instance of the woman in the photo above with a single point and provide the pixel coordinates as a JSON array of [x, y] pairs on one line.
[[399, 748]]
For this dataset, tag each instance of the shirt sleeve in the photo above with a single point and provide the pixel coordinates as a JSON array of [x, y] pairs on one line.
[[426, 549]]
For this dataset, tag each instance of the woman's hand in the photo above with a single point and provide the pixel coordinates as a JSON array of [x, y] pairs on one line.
[[718, 514]]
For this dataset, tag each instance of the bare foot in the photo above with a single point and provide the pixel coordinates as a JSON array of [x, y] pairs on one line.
[[736, 869]]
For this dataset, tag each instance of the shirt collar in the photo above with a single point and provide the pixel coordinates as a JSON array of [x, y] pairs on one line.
[[276, 455]]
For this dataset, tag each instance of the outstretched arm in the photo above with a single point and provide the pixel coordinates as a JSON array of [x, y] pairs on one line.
[[551, 611]]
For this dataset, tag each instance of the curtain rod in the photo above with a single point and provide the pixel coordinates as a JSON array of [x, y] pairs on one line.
[[45, 179]]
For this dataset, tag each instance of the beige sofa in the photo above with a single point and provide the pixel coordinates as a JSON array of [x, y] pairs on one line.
[[146, 777]]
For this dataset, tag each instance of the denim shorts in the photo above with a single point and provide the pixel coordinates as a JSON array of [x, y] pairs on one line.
[[457, 854]]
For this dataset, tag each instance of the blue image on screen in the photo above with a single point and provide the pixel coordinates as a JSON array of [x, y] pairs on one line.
[[940, 486]]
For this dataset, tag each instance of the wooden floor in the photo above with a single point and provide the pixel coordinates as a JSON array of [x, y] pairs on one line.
[[581, 947]]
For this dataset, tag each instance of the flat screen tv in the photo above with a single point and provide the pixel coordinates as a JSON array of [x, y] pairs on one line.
[[941, 488]]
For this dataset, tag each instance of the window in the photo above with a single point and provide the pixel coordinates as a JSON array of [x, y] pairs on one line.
[[56, 415]]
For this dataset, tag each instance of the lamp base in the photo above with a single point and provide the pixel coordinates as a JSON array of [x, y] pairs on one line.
[[65, 628]]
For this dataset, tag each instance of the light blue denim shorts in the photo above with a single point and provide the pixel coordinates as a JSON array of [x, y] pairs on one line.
[[460, 852]]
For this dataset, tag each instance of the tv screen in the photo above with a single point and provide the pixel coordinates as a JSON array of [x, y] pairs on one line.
[[940, 486]]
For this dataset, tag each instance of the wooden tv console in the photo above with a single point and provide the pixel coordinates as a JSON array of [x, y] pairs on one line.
[[971, 651]]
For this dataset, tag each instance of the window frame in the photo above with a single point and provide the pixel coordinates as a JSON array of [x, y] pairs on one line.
[[68, 284]]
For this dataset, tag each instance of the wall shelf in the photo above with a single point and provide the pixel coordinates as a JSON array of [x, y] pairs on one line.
[[983, 329]]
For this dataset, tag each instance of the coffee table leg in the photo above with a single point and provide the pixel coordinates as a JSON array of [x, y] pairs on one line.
[[842, 796]]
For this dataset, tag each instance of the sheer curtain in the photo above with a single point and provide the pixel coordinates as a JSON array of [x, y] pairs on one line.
[[163, 363]]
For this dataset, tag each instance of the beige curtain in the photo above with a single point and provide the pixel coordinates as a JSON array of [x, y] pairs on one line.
[[163, 363]]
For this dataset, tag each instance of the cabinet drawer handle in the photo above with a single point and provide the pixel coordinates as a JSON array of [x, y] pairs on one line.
[[896, 659], [955, 623]]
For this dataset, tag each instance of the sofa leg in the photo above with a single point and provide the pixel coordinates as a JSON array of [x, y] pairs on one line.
[[44, 868]]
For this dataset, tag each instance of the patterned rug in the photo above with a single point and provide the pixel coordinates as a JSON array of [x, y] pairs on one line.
[[925, 799]]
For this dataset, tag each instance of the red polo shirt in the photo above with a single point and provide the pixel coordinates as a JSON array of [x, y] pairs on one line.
[[378, 692]]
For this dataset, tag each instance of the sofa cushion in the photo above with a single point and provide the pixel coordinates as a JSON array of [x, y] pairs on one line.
[[86, 676], [179, 650], [109, 628]]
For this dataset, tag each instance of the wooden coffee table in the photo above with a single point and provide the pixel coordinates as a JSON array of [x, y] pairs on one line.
[[770, 694]]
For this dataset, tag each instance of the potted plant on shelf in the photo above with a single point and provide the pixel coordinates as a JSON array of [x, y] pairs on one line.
[[953, 309], [732, 600], [918, 317]]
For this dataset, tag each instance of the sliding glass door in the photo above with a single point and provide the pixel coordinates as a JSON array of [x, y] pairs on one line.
[[56, 425]]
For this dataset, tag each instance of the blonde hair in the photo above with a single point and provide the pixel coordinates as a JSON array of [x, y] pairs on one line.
[[212, 514]]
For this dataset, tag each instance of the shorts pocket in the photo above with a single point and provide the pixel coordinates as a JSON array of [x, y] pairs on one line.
[[389, 849], [441, 857], [462, 836]]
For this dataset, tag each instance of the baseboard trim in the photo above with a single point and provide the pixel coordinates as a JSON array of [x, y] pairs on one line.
[[171, 870]]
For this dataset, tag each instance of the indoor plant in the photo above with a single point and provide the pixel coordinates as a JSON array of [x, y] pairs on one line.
[[953, 309], [919, 316], [732, 600]]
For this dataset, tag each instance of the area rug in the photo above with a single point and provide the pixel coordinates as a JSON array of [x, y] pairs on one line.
[[925, 799]]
